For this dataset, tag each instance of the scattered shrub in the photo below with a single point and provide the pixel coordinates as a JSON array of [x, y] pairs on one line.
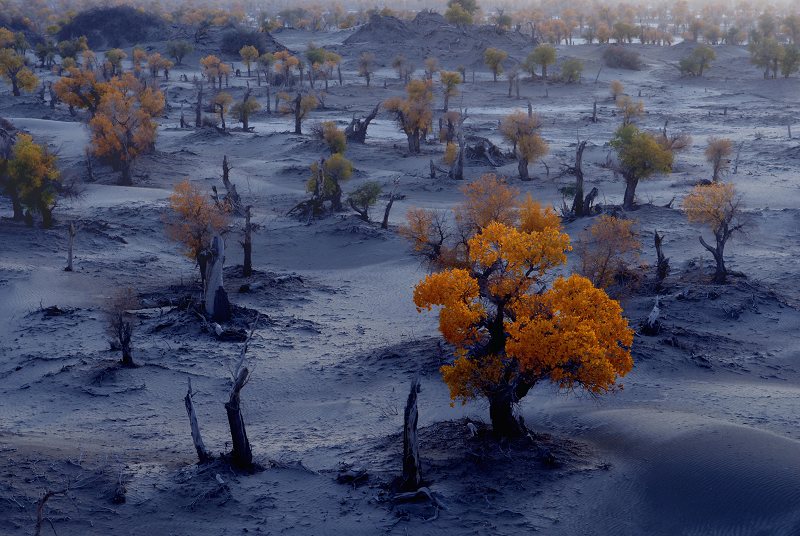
[[618, 57]]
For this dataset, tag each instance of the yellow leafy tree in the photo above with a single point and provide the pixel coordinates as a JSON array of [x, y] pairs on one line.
[[123, 127], [414, 113], [194, 220], [214, 69], [221, 101], [285, 63], [115, 56], [33, 174], [300, 107], [718, 207], [249, 54], [640, 156], [521, 130], [450, 81], [717, 152], [80, 89], [607, 250], [494, 58], [508, 332], [334, 137], [15, 72], [325, 183]]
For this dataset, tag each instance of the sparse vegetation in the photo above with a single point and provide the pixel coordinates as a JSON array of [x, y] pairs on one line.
[[718, 207]]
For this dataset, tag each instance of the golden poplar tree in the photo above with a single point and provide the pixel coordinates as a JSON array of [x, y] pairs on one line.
[[509, 331]]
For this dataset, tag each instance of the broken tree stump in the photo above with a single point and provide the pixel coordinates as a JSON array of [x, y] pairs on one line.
[[356, 131], [412, 477], [662, 264], [217, 305], [247, 244], [241, 454], [578, 201], [203, 455]]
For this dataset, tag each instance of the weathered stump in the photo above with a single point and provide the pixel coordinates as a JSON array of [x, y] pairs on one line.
[[412, 476], [241, 454], [203, 455], [217, 305]]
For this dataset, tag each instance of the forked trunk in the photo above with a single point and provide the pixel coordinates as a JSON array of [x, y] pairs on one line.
[[241, 454]]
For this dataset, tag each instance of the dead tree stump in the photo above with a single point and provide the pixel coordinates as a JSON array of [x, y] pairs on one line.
[[392, 198], [203, 455], [247, 244], [241, 454], [577, 202], [662, 264], [356, 131], [216, 299], [412, 476]]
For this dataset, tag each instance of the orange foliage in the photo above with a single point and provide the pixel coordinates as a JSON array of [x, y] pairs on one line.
[[195, 220], [123, 127], [510, 333], [574, 334], [607, 250], [488, 199]]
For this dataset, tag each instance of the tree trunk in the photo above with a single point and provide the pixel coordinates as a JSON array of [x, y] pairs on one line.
[[72, 232], [630, 192], [217, 305], [247, 266], [412, 477], [662, 264], [356, 131], [203, 455], [577, 202], [198, 108], [501, 412], [125, 178], [336, 201], [241, 454], [522, 166], [125, 344], [297, 111], [385, 222], [15, 86], [363, 214], [411, 137], [721, 272]]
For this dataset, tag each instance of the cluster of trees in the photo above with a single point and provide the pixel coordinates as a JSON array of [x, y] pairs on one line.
[[414, 114], [122, 112], [13, 64], [29, 177], [540, 58]]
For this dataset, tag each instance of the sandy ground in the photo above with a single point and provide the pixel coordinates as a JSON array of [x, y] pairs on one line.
[[703, 439]]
